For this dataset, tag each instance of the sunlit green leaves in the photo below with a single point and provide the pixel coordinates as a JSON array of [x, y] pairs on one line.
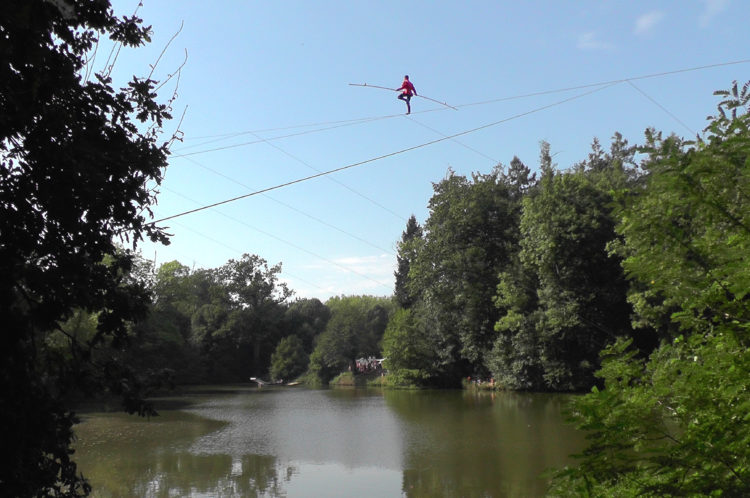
[[564, 297], [676, 423]]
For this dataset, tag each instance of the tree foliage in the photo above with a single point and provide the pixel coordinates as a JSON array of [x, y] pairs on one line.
[[307, 319], [78, 160], [355, 329], [565, 297], [676, 423], [469, 236], [406, 254], [409, 350], [289, 359]]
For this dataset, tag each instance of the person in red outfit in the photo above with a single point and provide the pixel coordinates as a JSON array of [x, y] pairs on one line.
[[407, 91]]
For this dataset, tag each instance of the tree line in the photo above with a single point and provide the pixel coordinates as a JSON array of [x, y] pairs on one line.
[[512, 278], [229, 323]]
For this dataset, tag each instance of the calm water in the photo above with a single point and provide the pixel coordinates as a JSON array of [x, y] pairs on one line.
[[324, 443]]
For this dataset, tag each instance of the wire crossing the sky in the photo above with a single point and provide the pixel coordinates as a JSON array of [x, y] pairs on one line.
[[328, 125], [291, 244], [598, 87], [623, 80], [384, 156], [289, 206]]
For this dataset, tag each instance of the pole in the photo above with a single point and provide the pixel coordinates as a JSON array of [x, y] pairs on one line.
[[373, 86], [391, 89], [442, 103]]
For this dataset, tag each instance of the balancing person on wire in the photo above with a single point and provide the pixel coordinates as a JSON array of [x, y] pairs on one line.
[[407, 91]]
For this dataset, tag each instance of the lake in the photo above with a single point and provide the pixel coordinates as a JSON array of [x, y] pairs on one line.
[[296, 442]]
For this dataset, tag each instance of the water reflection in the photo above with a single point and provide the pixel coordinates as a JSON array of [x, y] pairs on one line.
[[185, 474], [352, 428], [330, 443], [481, 444], [126, 456]]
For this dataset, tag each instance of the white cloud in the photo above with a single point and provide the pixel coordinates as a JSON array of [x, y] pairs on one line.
[[349, 276], [646, 22], [589, 41], [371, 266], [712, 9]]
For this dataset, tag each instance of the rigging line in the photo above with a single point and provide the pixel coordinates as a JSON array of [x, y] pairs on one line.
[[494, 161], [306, 132], [384, 156], [580, 87], [502, 99], [337, 124], [349, 123], [323, 222], [373, 201], [537, 94], [661, 107], [291, 244], [236, 251], [283, 128]]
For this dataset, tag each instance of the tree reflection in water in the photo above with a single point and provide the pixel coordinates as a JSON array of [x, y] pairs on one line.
[[129, 456], [320, 443], [482, 444]]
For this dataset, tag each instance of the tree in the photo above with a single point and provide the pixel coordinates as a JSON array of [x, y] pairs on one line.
[[78, 162], [406, 254], [254, 301], [289, 360], [173, 287], [675, 423], [307, 319], [161, 342], [409, 351], [515, 360], [356, 326], [567, 299], [468, 238]]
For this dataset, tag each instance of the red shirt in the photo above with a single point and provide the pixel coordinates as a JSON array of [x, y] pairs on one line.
[[408, 88]]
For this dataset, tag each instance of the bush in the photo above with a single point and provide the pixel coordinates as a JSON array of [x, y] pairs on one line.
[[289, 360]]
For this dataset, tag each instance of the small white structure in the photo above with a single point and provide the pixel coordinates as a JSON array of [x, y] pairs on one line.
[[258, 381]]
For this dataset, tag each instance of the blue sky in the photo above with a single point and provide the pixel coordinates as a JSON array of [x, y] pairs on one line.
[[267, 100]]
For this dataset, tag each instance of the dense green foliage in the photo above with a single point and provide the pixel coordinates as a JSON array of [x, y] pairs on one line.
[[78, 162], [511, 277], [224, 324], [565, 298], [230, 323], [470, 236], [406, 254], [355, 330], [409, 349], [289, 360], [676, 423]]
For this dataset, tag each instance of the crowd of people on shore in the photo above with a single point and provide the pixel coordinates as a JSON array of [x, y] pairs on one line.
[[369, 364]]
